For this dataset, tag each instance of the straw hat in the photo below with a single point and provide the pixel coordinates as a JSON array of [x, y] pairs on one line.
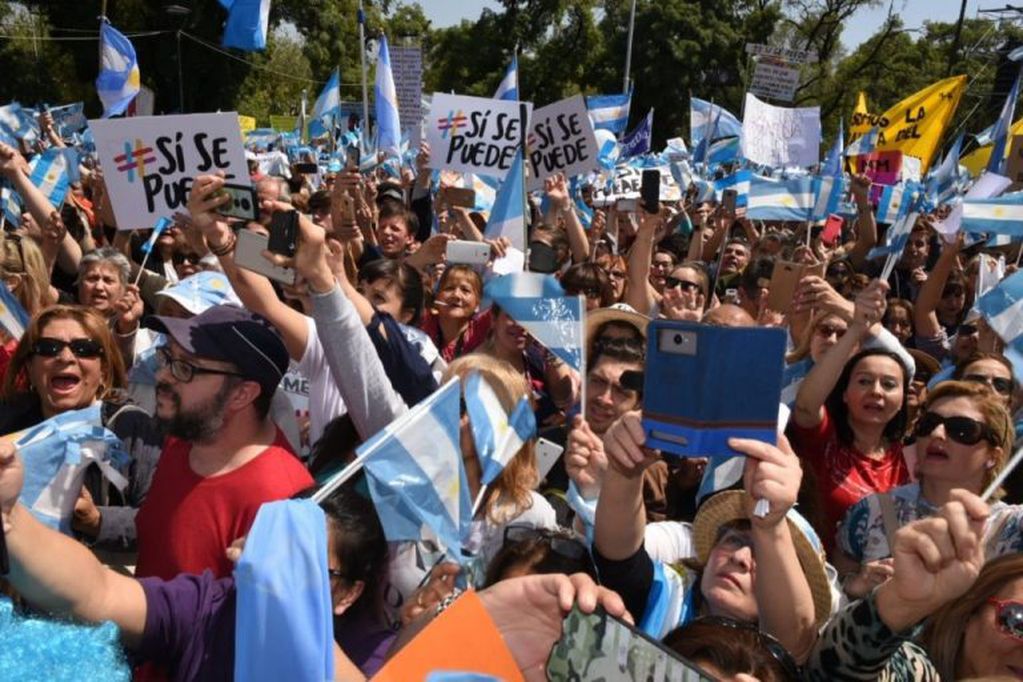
[[619, 312], [731, 505]]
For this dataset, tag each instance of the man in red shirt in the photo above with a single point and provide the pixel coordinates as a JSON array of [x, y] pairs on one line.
[[223, 456]]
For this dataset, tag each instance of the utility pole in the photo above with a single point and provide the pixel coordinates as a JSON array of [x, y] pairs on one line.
[[955, 41], [628, 48], [362, 56]]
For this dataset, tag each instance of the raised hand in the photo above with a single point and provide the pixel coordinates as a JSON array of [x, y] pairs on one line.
[[623, 445], [585, 459], [772, 474]]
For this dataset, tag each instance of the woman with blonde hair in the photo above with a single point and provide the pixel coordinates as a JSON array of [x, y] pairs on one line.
[[23, 271]]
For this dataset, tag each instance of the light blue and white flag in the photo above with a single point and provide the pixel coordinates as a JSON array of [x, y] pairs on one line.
[[18, 123], [788, 199], [415, 473], [386, 107], [49, 172], [1000, 135], [864, 144], [119, 79], [895, 239], [326, 107], [1001, 215], [740, 181], [703, 116], [538, 303], [894, 203], [498, 435], [508, 88], [158, 229], [941, 182], [508, 217], [486, 188], [247, 24], [832, 165], [1002, 307], [69, 118], [13, 317], [637, 141], [724, 150], [55, 454], [610, 112], [828, 191]]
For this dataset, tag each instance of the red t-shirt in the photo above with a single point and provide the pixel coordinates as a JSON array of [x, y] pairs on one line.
[[844, 475], [187, 521], [473, 336]]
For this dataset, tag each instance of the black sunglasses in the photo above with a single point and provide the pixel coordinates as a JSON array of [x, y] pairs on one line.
[[962, 430], [81, 348], [777, 650], [178, 258], [685, 285], [1009, 616], [561, 544], [1001, 385]]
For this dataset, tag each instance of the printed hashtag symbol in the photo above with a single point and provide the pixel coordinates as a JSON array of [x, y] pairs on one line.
[[134, 159]]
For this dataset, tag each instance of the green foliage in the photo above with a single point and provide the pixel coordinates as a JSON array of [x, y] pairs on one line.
[[274, 87]]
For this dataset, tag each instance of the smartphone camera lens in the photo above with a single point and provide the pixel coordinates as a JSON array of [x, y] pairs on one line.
[[678, 339]]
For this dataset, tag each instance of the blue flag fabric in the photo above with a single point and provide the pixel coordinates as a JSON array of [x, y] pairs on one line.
[[538, 303], [415, 473], [832, 165], [508, 89], [13, 317], [1002, 307], [507, 217], [711, 121], [49, 171], [326, 107], [787, 199], [247, 24], [740, 181], [610, 112], [942, 180], [1000, 136], [119, 79], [498, 436], [1000, 216], [638, 140], [388, 124], [284, 617]]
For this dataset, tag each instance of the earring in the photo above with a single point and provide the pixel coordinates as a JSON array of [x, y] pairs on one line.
[[991, 464]]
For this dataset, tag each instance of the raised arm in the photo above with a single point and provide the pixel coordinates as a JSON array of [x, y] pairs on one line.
[[866, 224], [14, 167], [621, 515], [640, 294], [925, 317], [556, 188]]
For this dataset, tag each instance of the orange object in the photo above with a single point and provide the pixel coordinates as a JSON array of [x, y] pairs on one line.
[[462, 638]]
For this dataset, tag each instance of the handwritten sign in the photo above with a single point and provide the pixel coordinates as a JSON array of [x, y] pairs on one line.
[[149, 162], [407, 67], [475, 134], [774, 79], [560, 140], [797, 56], [780, 136], [627, 182]]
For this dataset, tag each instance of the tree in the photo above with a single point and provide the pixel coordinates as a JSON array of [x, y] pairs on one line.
[[276, 81]]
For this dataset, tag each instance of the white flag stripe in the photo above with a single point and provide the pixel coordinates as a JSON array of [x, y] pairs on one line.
[[1008, 324]]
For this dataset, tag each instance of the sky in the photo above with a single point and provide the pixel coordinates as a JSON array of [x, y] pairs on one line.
[[860, 27]]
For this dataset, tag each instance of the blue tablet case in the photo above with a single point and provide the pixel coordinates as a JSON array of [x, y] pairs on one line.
[[704, 385]]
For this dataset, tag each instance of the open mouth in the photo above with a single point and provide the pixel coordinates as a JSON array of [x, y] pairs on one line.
[[64, 383], [935, 452]]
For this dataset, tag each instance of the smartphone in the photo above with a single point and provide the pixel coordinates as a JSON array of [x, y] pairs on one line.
[[547, 453], [283, 233], [470, 253], [650, 190], [784, 280], [626, 205], [307, 168], [248, 254], [832, 229], [728, 199], [598, 646], [352, 157], [243, 203], [460, 196]]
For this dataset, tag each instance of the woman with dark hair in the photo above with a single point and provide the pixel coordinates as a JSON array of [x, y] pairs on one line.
[[849, 416], [991, 370], [727, 648], [530, 551], [898, 319], [589, 280]]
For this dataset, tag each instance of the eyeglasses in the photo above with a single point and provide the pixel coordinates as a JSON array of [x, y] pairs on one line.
[[777, 650], [685, 285], [1001, 385], [182, 370], [178, 258], [599, 385], [1009, 616], [562, 544], [47, 347], [962, 430], [826, 331], [616, 274]]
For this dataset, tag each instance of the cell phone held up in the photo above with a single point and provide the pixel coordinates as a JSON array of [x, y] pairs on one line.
[[283, 238], [243, 203], [728, 199], [650, 190]]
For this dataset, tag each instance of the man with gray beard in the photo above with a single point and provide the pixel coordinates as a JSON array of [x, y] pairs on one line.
[[223, 457]]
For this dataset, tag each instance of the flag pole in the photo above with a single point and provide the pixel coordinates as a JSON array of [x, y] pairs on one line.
[[341, 477], [525, 201], [628, 48], [362, 56], [582, 356]]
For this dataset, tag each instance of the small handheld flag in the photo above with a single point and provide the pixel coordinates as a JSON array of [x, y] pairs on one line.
[[119, 79]]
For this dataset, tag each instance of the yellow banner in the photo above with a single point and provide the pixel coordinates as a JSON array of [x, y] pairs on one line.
[[976, 161], [246, 123], [915, 125]]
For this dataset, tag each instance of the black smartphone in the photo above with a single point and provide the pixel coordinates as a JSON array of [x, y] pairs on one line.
[[243, 203], [650, 190], [307, 168], [728, 199], [283, 238]]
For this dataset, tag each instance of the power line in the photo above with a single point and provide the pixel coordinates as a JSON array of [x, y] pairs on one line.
[[93, 38]]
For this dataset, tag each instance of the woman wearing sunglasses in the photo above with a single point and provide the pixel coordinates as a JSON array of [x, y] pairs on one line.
[[66, 360], [971, 611]]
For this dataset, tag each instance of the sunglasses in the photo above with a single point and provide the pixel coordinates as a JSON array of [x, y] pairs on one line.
[[1009, 616], [562, 544], [962, 430], [1001, 385], [777, 650], [827, 331], [81, 348], [968, 329], [685, 285], [179, 258]]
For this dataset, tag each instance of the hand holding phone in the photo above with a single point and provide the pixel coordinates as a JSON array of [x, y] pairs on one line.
[[650, 190], [283, 238]]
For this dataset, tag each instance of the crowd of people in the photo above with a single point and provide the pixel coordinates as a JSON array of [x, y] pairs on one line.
[[877, 557]]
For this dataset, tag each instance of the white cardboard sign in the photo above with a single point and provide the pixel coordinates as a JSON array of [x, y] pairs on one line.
[[475, 134], [149, 162], [560, 140], [780, 137]]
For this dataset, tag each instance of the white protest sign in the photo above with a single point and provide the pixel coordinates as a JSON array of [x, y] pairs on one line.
[[149, 162], [627, 183], [797, 56], [780, 136], [560, 140], [475, 134], [407, 67], [777, 81]]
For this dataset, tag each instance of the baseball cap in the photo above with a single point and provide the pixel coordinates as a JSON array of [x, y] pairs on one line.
[[230, 334], [390, 190]]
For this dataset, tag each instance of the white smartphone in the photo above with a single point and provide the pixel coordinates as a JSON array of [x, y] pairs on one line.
[[470, 253], [547, 453], [248, 254]]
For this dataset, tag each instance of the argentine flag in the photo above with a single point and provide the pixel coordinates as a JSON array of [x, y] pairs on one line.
[[1000, 136], [327, 104], [1002, 307], [388, 124], [894, 203], [247, 24], [119, 78], [1002, 215], [508, 89], [415, 473], [832, 165], [828, 192], [610, 112], [18, 124], [703, 115], [13, 317], [789, 199], [49, 172], [507, 218], [896, 238], [537, 302], [740, 181], [498, 436]]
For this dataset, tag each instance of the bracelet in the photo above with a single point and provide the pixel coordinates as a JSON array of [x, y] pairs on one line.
[[447, 601], [223, 250]]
